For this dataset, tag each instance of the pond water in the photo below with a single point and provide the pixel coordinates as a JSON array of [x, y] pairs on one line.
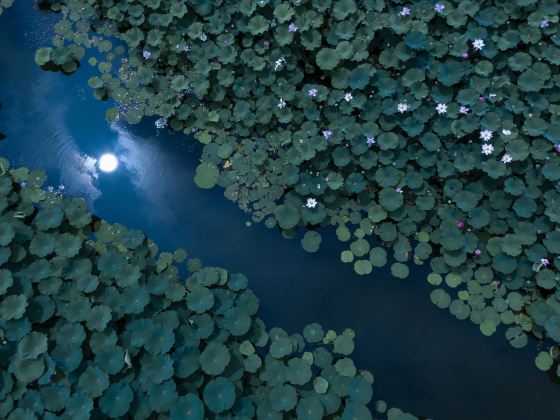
[[424, 360]]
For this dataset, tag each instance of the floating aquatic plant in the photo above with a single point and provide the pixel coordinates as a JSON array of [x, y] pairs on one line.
[[100, 322], [429, 82]]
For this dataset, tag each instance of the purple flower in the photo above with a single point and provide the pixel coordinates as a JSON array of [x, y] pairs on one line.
[[312, 92], [477, 251], [146, 54], [464, 109], [545, 261], [545, 23], [327, 134], [465, 54], [482, 99], [405, 11], [266, 43], [439, 7], [226, 42], [399, 190], [370, 141], [461, 224], [557, 147], [292, 27]]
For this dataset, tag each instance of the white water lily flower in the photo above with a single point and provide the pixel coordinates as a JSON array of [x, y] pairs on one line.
[[402, 107], [487, 149], [311, 203], [441, 108], [506, 132], [486, 135], [281, 104], [348, 97], [506, 158], [478, 44]]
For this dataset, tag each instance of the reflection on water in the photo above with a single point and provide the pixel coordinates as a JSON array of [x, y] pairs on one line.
[[424, 360], [108, 162]]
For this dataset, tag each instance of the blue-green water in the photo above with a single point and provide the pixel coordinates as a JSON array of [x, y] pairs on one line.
[[424, 360]]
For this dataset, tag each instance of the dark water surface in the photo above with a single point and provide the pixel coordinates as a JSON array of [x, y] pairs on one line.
[[424, 360]]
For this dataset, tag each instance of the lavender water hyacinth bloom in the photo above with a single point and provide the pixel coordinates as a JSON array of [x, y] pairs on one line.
[[544, 23], [405, 11], [370, 141], [292, 27], [312, 92], [146, 54], [439, 7], [327, 134]]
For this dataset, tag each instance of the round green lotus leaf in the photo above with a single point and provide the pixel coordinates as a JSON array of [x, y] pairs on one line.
[[552, 327], [376, 213], [313, 333], [487, 327], [359, 247], [515, 301], [298, 371], [362, 267], [219, 395], [459, 309], [399, 270], [246, 348], [27, 370], [453, 280], [7, 233], [358, 411], [310, 408], [237, 321], [214, 359], [320, 385], [6, 280], [32, 345], [187, 406], [42, 244], [390, 199], [179, 83], [206, 175], [343, 233], [252, 363], [116, 400], [79, 406], [93, 381], [287, 216], [440, 298], [544, 361], [283, 397], [378, 257], [360, 390], [281, 347], [43, 56], [345, 367], [200, 299], [327, 58], [258, 25], [311, 241], [516, 337], [163, 396], [344, 344], [55, 396], [346, 256], [387, 141], [13, 307]]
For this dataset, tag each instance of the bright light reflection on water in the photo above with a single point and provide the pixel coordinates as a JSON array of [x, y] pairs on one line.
[[108, 162]]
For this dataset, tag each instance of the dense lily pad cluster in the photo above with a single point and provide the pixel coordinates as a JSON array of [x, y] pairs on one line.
[[432, 127], [94, 322]]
